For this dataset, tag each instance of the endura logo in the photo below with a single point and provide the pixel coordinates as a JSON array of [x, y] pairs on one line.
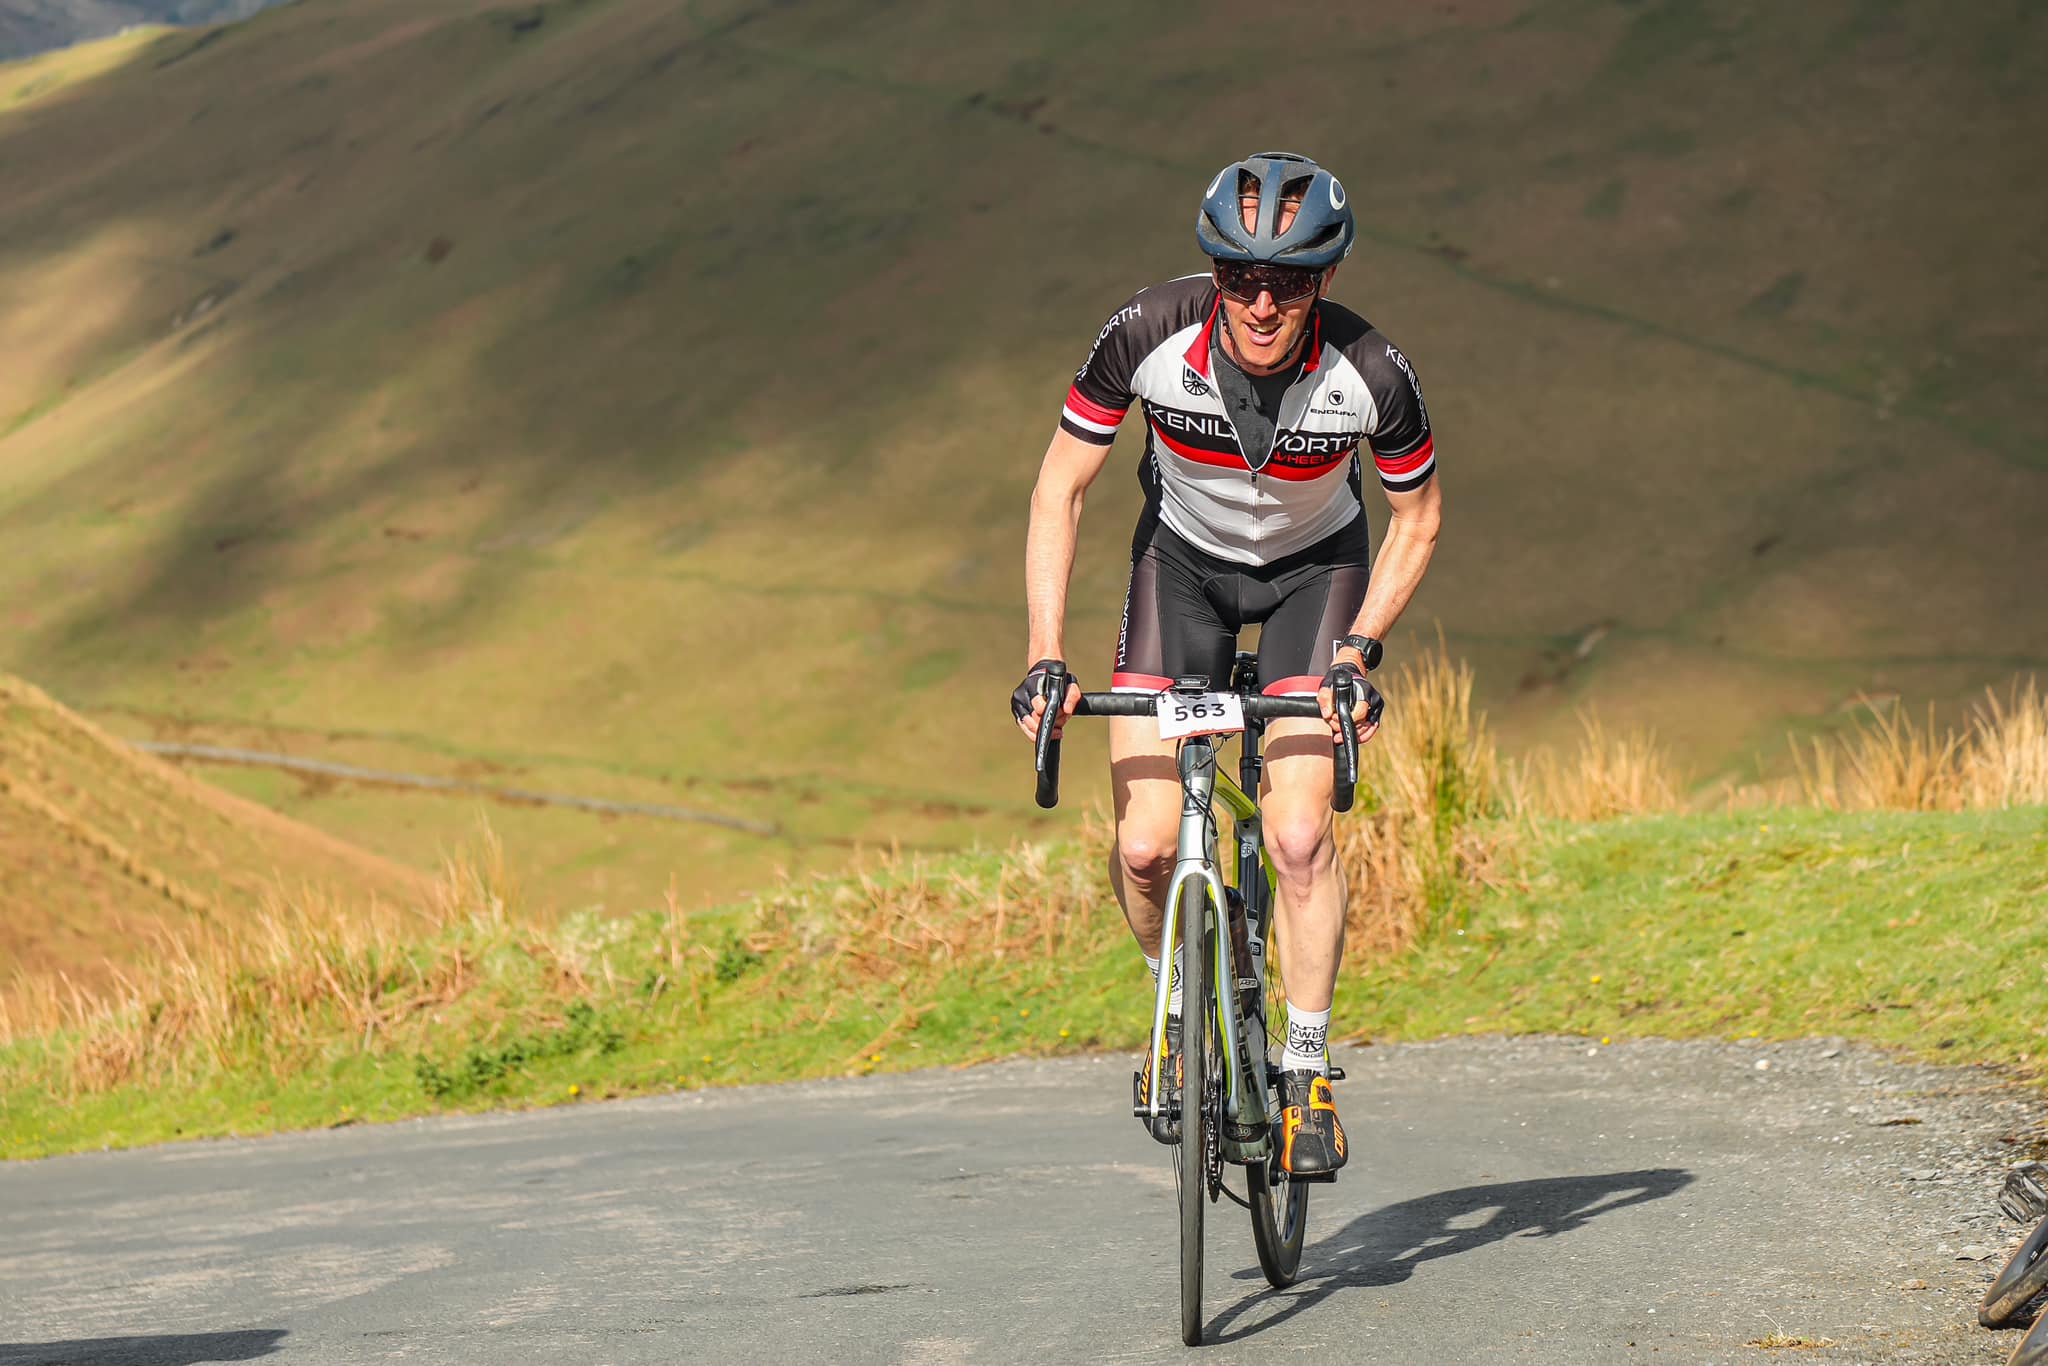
[[1116, 320]]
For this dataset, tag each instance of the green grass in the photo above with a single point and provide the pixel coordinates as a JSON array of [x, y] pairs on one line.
[[1920, 932]]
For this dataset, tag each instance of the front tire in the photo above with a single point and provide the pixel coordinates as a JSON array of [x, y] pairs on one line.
[[1197, 1019], [2024, 1277]]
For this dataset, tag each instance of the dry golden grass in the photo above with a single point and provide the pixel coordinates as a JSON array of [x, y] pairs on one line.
[[897, 931], [1889, 761], [282, 982], [1439, 810], [1609, 775], [1426, 783]]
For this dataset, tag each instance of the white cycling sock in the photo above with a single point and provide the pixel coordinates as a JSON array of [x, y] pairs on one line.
[[1308, 1039], [1173, 993]]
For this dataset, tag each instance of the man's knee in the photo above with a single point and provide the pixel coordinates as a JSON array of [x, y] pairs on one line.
[[1146, 849], [1301, 842]]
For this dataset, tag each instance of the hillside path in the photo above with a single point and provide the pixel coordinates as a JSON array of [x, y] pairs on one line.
[[1508, 1200]]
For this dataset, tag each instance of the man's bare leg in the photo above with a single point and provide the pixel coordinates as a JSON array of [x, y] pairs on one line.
[[1295, 810], [1145, 786]]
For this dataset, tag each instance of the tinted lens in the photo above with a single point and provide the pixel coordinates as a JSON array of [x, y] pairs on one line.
[[1246, 280]]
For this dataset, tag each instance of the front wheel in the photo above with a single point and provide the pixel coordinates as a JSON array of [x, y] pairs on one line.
[[1197, 1020], [2024, 1277]]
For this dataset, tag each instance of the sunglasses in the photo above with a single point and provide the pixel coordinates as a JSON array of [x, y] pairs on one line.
[[1246, 280]]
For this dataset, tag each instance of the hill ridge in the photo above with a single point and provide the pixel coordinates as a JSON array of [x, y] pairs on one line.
[[100, 843]]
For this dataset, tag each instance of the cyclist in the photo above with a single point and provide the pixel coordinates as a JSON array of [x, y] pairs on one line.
[[1257, 392]]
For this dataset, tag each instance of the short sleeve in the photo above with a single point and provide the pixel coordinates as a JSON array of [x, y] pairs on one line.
[[1101, 392], [1403, 450]]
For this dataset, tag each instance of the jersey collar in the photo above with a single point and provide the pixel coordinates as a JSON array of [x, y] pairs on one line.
[[1197, 355]]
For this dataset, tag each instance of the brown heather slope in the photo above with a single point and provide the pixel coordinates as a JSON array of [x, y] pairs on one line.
[[574, 392], [101, 848]]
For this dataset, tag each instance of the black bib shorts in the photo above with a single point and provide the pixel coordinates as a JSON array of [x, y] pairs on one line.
[[1185, 608]]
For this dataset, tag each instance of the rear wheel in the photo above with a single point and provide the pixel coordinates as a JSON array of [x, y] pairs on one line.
[[2024, 1277], [1279, 1207], [1197, 1020]]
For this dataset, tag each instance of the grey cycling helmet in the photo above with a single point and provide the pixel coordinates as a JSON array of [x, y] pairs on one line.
[[1320, 235]]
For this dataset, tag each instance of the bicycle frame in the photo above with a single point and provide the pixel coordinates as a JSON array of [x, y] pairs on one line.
[[1201, 786]]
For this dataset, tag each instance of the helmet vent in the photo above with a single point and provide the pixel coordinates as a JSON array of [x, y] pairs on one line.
[[1248, 189]]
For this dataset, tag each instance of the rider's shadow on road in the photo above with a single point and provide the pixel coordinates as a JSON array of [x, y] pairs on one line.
[[1384, 1247], [171, 1349]]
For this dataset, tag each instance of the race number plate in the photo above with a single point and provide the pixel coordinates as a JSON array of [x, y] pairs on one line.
[[1208, 713]]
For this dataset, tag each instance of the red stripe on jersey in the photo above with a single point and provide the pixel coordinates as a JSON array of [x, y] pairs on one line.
[[1197, 355], [1300, 474], [1409, 463], [1301, 685], [1093, 411], [1232, 460], [1313, 361], [1140, 682], [1228, 460]]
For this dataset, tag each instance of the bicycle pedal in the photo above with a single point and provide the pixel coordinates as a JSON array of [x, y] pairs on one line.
[[2025, 1197], [1169, 1107], [1315, 1178], [1336, 1074]]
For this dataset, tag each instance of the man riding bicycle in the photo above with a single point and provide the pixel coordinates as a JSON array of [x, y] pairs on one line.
[[1256, 393]]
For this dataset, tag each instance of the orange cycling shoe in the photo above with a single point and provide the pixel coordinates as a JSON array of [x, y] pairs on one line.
[[1311, 1139]]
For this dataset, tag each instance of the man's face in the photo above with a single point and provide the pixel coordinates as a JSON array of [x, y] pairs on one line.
[[1263, 331]]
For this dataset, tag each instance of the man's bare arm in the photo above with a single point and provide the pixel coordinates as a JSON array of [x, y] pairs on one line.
[[1071, 465], [1397, 571]]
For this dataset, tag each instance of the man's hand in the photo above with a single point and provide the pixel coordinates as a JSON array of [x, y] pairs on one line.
[[1366, 704], [1027, 704]]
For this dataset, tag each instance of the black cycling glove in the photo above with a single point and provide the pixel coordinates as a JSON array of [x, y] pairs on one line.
[[1374, 703], [1033, 686]]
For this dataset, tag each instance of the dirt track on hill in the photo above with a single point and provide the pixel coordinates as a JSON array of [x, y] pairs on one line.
[[1531, 1200]]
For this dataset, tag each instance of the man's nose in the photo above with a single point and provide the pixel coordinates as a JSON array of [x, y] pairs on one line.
[[1264, 305]]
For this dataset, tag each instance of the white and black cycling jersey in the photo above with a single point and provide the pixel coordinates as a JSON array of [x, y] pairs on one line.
[[1252, 507]]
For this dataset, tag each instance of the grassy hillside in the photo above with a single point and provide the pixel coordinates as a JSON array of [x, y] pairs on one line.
[[580, 392], [102, 850]]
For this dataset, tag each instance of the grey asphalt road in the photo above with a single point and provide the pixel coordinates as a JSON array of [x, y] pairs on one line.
[[1524, 1200]]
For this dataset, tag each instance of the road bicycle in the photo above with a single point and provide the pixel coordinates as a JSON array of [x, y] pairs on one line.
[[1221, 931]]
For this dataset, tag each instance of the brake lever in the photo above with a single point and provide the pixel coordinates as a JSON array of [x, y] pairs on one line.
[[1343, 694], [1053, 688]]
